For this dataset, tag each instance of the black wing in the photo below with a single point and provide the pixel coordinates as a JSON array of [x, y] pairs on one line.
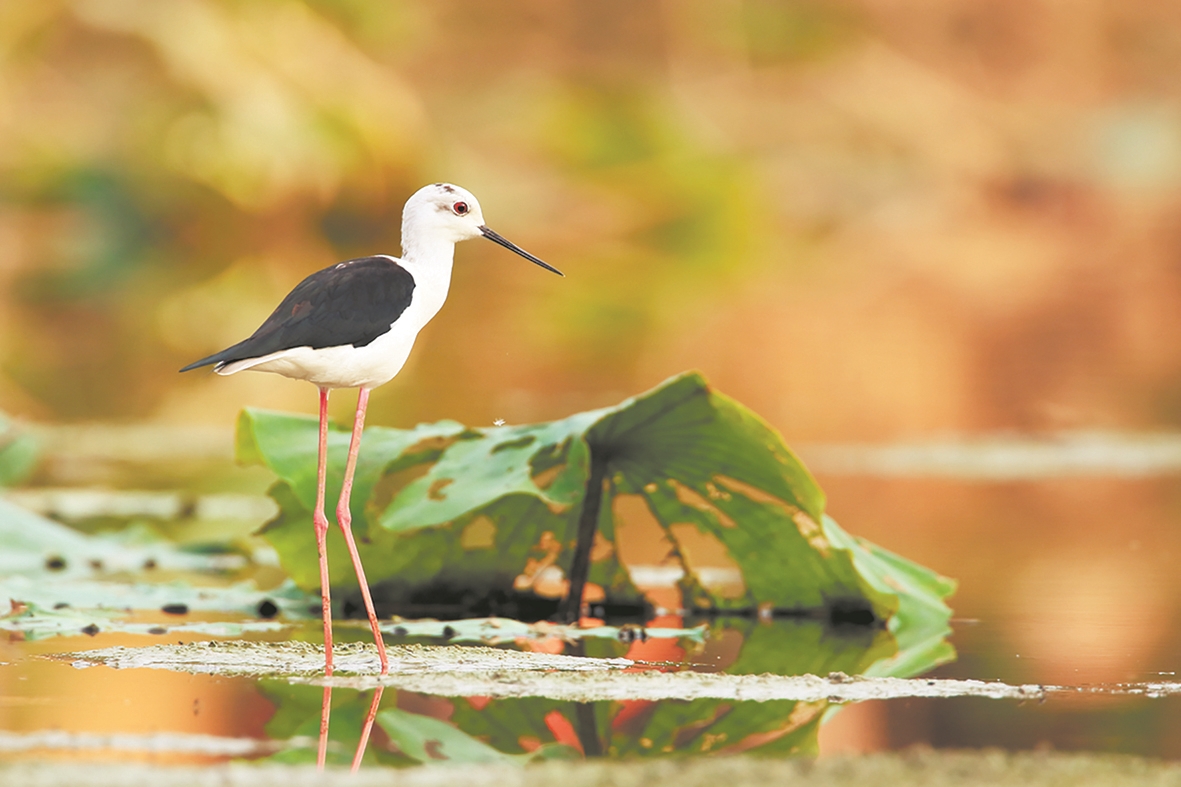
[[350, 303]]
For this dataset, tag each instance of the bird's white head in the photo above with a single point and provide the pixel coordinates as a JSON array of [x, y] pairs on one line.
[[442, 210], [450, 214]]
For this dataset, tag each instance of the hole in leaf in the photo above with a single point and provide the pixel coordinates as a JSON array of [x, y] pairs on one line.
[[428, 446], [541, 575], [480, 533], [804, 523], [562, 730], [709, 560], [437, 486], [684, 735], [812, 532], [508, 445], [547, 457], [546, 478], [803, 713], [391, 484], [601, 548], [690, 497], [642, 546], [639, 536]]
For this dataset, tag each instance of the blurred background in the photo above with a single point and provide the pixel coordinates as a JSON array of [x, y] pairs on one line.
[[871, 221], [866, 220]]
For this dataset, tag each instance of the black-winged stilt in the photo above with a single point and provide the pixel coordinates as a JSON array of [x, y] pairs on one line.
[[352, 326]]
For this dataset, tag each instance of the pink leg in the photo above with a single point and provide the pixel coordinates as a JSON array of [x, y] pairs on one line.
[[321, 525], [325, 711], [368, 728], [344, 517]]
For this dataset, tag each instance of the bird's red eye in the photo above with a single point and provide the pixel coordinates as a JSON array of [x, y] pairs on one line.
[[460, 208]]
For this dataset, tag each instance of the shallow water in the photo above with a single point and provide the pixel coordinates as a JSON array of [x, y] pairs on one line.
[[1065, 579], [53, 708]]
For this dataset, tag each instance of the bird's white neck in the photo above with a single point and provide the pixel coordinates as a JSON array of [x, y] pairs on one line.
[[429, 262]]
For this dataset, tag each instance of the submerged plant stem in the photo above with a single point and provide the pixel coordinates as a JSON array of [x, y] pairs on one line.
[[587, 728], [570, 610]]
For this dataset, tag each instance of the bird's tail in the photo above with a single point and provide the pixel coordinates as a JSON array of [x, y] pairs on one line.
[[225, 356]]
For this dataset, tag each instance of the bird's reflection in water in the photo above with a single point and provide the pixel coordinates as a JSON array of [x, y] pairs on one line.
[[366, 728]]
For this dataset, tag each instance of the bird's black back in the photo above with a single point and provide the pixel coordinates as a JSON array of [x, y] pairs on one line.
[[353, 303]]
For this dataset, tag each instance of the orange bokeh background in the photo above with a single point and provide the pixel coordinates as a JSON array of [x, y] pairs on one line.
[[868, 221]]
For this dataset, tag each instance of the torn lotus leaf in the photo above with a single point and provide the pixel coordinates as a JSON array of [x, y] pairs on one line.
[[477, 512]]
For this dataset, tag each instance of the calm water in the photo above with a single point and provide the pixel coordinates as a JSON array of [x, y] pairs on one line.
[[1064, 581]]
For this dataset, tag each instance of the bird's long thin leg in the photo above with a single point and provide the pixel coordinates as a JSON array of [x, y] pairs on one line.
[[345, 518], [367, 728], [321, 524], [325, 712]]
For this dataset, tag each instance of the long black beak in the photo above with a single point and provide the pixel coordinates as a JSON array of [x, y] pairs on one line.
[[492, 236]]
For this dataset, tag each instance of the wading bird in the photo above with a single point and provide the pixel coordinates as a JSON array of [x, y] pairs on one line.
[[352, 326]]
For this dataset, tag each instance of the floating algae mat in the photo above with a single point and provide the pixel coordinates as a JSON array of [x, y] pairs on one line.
[[462, 671], [470, 671]]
